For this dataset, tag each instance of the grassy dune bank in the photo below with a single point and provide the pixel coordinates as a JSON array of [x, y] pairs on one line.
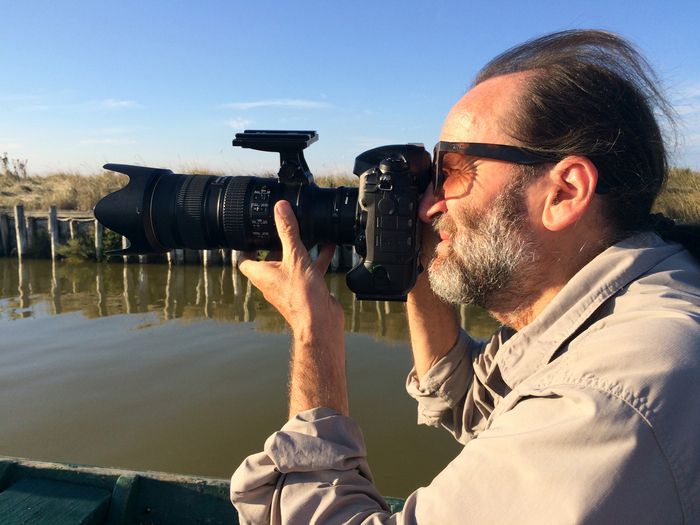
[[71, 191]]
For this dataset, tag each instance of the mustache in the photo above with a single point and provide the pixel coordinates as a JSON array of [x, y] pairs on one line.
[[445, 223]]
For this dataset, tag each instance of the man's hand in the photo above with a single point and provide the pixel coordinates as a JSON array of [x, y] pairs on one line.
[[433, 323], [296, 288]]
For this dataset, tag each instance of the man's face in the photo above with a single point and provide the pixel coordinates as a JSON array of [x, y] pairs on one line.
[[486, 253], [487, 242]]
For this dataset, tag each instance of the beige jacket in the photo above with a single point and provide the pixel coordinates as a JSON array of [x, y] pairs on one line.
[[591, 414]]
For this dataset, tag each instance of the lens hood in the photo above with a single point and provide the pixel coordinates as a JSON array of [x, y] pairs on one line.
[[126, 211]]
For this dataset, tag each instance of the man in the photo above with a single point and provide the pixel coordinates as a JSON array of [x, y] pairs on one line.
[[584, 407]]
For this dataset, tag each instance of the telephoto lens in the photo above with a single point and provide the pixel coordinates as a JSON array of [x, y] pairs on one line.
[[159, 210]]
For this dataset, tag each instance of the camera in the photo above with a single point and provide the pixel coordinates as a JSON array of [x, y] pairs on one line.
[[159, 211]]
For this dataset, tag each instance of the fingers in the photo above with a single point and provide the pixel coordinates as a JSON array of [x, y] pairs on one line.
[[258, 272], [325, 256], [288, 231], [244, 261], [293, 251]]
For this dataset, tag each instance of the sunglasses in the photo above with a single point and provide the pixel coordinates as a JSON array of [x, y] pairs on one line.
[[514, 154]]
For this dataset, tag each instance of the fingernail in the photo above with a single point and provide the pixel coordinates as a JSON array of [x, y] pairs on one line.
[[283, 209]]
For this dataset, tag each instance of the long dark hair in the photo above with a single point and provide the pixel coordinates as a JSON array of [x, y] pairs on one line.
[[592, 93]]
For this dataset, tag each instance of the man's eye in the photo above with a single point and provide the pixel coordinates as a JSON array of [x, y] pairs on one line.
[[458, 182]]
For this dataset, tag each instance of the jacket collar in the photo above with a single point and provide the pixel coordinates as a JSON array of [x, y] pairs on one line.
[[530, 349]]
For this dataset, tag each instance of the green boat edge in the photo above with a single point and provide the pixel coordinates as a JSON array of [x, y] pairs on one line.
[[74, 493]]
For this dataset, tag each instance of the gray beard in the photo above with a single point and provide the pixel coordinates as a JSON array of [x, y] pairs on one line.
[[492, 262]]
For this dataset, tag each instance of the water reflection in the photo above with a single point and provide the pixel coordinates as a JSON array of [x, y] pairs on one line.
[[194, 379], [37, 288]]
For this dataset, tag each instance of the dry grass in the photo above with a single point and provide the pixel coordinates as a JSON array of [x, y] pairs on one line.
[[337, 181], [66, 191], [680, 199], [73, 191]]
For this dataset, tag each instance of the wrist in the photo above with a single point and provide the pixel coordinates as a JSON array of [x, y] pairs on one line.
[[319, 328], [317, 370]]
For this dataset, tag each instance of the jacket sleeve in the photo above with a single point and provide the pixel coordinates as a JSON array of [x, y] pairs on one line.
[[450, 394], [567, 454], [314, 470]]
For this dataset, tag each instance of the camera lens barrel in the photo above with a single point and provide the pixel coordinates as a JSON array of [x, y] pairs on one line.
[[206, 212]]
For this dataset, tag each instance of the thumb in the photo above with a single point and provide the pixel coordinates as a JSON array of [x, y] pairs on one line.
[[287, 228]]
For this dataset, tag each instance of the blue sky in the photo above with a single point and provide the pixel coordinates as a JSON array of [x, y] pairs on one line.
[[168, 84]]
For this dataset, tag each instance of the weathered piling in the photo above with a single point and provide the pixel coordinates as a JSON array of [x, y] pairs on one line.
[[176, 256], [125, 244], [72, 229], [53, 232], [20, 231], [209, 257], [99, 237], [4, 235], [24, 233]]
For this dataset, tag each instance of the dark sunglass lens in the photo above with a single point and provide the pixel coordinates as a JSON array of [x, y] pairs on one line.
[[439, 177]]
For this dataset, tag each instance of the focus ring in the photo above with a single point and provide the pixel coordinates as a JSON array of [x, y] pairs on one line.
[[190, 200], [234, 213]]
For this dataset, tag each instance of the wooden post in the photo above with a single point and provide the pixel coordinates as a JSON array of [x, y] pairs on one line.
[[55, 290], [20, 231], [335, 261], [167, 309], [142, 290], [125, 245], [4, 235], [53, 232], [99, 235], [222, 281], [126, 280], [356, 259], [206, 283], [381, 317], [100, 292], [224, 254], [71, 229], [176, 256], [23, 289], [198, 289], [207, 256], [237, 281], [248, 310]]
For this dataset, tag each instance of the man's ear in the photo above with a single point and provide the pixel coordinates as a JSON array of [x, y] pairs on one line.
[[570, 188]]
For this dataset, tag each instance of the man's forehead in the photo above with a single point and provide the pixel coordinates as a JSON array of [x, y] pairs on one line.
[[464, 125], [479, 115]]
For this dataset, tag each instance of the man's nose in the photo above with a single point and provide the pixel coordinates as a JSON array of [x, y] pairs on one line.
[[431, 205]]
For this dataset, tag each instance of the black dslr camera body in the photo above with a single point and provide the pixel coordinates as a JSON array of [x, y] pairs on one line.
[[159, 211]]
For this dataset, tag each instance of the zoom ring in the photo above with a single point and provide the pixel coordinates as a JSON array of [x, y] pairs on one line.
[[190, 199], [234, 213]]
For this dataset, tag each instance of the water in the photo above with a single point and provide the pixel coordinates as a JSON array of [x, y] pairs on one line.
[[184, 370]]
